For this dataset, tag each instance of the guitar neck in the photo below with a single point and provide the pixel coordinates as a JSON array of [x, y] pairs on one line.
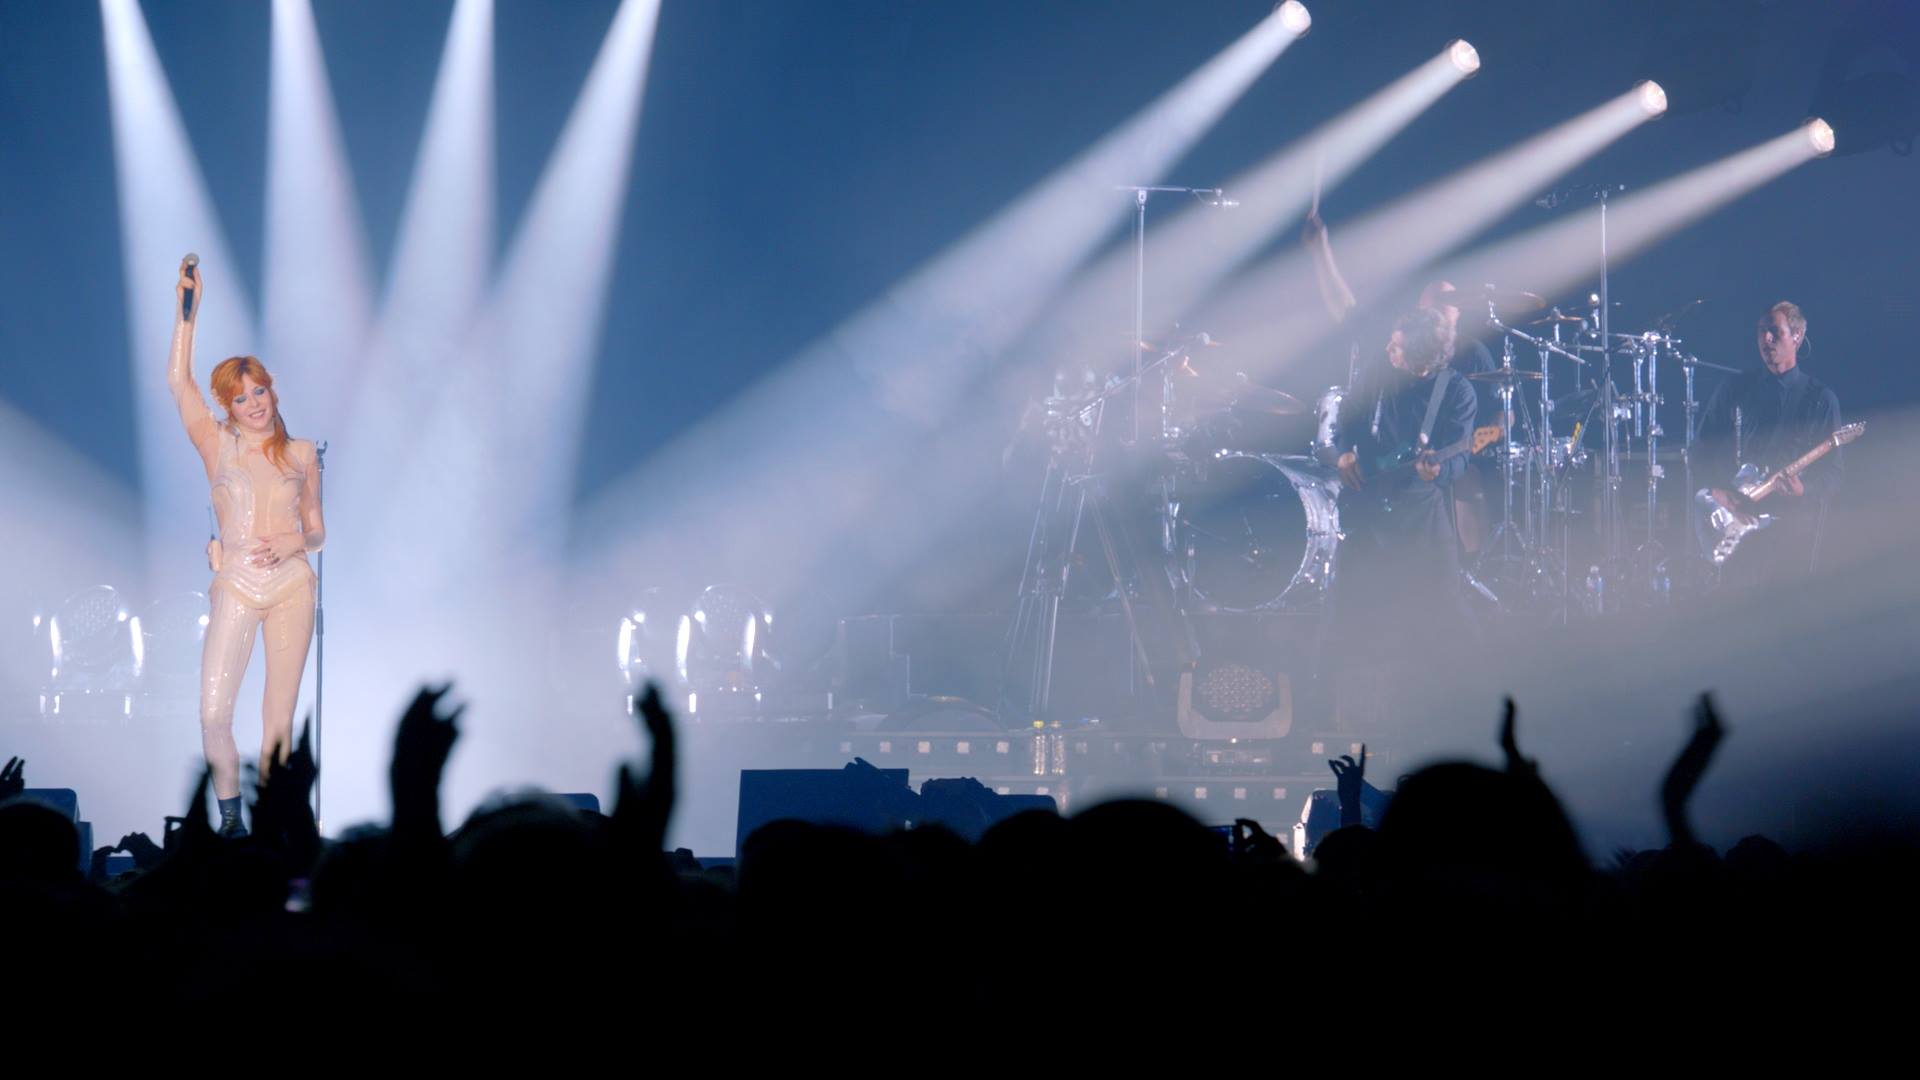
[[1799, 464]]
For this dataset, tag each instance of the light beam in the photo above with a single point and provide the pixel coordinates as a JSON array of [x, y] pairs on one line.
[[318, 290], [165, 212]]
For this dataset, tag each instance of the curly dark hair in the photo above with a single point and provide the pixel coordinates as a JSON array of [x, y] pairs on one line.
[[1426, 339]]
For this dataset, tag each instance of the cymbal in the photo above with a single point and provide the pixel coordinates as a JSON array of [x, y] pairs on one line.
[[1251, 397], [1503, 375], [1510, 302], [1556, 317]]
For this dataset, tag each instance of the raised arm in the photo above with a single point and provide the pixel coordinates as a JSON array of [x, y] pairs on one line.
[[1334, 293], [194, 415]]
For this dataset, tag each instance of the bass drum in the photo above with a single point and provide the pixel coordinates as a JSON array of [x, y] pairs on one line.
[[1257, 532]]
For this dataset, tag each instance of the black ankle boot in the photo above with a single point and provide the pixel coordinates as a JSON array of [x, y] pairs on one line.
[[230, 826]]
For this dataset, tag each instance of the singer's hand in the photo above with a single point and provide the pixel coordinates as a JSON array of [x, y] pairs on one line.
[[271, 551], [189, 282], [213, 555]]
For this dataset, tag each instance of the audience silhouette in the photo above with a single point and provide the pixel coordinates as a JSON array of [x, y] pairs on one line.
[[1474, 888]]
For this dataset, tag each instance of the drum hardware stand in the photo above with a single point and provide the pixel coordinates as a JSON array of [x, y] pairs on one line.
[[1049, 564], [1536, 540], [1506, 386], [1645, 349], [1610, 524]]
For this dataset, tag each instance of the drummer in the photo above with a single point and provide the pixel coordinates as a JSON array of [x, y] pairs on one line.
[[1470, 357]]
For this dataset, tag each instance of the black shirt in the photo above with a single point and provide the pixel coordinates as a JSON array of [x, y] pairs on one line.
[[1780, 418], [1470, 357], [1402, 401]]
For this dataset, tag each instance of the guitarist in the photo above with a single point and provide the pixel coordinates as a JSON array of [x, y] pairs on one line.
[[1397, 571], [1769, 417], [1470, 357]]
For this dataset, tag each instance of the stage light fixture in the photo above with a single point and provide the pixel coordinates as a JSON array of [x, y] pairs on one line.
[[1464, 56], [1820, 133], [1653, 98], [1295, 17], [646, 646]]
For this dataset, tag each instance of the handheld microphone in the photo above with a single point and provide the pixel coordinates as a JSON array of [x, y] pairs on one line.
[[187, 266]]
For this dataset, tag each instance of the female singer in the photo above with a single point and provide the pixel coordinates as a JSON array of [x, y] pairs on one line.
[[266, 496]]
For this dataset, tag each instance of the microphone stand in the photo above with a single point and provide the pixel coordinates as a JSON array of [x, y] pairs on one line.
[[1141, 192], [320, 646]]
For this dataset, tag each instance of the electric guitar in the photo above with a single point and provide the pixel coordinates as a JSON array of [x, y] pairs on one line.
[[1392, 461], [1722, 528]]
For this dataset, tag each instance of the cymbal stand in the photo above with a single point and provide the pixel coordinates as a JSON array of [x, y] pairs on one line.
[[1539, 550], [1506, 388], [1135, 364], [1650, 354]]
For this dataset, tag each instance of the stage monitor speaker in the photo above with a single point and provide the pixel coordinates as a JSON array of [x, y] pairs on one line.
[[817, 796], [66, 803]]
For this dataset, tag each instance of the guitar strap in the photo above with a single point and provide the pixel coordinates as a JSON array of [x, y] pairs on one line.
[[1433, 406]]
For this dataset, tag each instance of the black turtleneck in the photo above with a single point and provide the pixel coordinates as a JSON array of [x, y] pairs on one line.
[[1780, 417]]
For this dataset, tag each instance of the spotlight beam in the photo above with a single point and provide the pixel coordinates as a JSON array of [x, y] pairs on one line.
[[1199, 247], [1001, 276], [1553, 258], [165, 212], [438, 274], [1383, 247], [317, 273], [544, 318], [907, 353]]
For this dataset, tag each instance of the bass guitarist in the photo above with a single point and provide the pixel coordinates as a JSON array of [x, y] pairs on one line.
[[1769, 417]]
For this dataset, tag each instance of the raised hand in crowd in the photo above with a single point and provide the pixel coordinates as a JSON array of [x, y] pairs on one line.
[[196, 831], [13, 778], [146, 854], [282, 814], [421, 748], [1684, 776], [1350, 778], [1253, 844], [1510, 745], [643, 808]]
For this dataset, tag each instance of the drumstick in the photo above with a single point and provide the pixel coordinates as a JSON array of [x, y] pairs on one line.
[[1318, 164]]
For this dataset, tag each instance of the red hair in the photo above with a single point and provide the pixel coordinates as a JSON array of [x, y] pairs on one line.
[[226, 379]]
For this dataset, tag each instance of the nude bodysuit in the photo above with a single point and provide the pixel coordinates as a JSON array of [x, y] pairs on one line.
[[252, 498]]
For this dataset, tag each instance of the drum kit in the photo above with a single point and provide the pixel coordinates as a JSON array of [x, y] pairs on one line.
[[1245, 495], [1242, 483]]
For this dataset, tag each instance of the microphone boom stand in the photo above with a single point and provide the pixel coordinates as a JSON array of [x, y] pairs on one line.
[[319, 645]]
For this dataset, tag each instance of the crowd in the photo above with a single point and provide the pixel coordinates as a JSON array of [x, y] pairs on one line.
[[1472, 899]]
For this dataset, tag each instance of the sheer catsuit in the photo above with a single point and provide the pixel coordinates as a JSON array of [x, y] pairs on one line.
[[252, 499]]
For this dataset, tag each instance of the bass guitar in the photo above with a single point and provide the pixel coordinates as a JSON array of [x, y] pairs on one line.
[[1723, 526]]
